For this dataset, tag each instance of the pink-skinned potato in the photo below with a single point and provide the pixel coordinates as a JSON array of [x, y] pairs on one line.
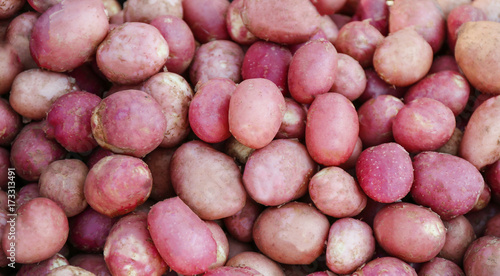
[[68, 270], [386, 266], [493, 226], [235, 27], [5, 227], [457, 17], [218, 196], [27, 193], [322, 273], [130, 250], [89, 230], [479, 68], [207, 19], [43, 267], [439, 266], [459, 235], [377, 13], [10, 8], [240, 225], [328, 6], [146, 11], [92, 262], [482, 257], [42, 5], [490, 7], [10, 67], [332, 129], [257, 261], [222, 243], [158, 162], [10, 124], [233, 271], [183, 240], [350, 79], [375, 86], [284, 22], [255, 112], [293, 124], [41, 230], [54, 44], [444, 63]]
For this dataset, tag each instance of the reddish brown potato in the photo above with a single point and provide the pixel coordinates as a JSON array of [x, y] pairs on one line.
[[233, 271], [482, 257], [237, 150], [70, 270], [457, 17], [493, 226], [218, 196], [27, 193], [459, 235], [439, 266], [257, 261], [386, 265], [89, 230], [19, 34], [207, 19], [235, 27], [10, 124], [283, 234], [158, 162], [410, 232], [222, 243], [240, 225], [98, 154], [146, 11], [10, 8], [377, 13], [92, 262]]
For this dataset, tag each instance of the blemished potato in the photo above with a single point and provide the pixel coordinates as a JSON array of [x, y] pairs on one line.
[[278, 173], [457, 17], [293, 124], [459, 235], [410, 232], [283, 22], [43, 267], [386, 265], [19, 34], [235, 27], [176, 228], [490, 7], [257, 261], [222, 243], [70, 270], [89, 230], [207, 19], [483, 200], [479, 68], [482, 257], [146, 11], [284, 234], [208, 181]]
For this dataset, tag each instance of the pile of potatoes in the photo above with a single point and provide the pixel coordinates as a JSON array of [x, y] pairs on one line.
[[250, 137]]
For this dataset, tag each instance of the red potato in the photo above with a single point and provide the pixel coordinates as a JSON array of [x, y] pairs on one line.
[[375, 87], [385, 172], [425, 17], [42, 5], [340, 19], [322, 273], [19, 34], [328, 6], [482, 257], [459, 235], [4, 204], [174, 94], [129, 249], [330, 30], [423, 124], [221, 241], [4, 165], [257, 261], [5, 226], [377, 11], [350, 245], [444, 63], [70, 270], [41, 230], [218, 196], [183, 240], [237, 150], [331, 115], [10, 67], [317, 36], [117, 184], [34, 91], [129, 122], [479, 219], [43, 267], [68, 121], [125, 56], [409, 232], [448, 87], [457, 17], [89, 230], [439, 266], [236, 247], [63, 181], [10, 124], [350, 78], [117, 19], [268, 60], [448, 5], [483, 200], [293, 124], [53, 44], [235, 27], [240, 224], [92, 262], [278, 173], [489, 7], [375, 119], [335, 193], [207, 19], [121, 87], [283, 234], [10, 7], [386, 266], [208, 112], [89, 80], [32, 152], [256, 111], [452, 146], [359, 40], [158, 162], [312, 70], [146, 11], [351, 162], [493, 226], [479, 68], [412, 63], [233, 271], [98, 154], [27, 193], [180, 40], [283, 22]]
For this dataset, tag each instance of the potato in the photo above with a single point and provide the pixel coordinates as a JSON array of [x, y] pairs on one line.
[[256, 111], [459, 235], [158, 162], [335, 193], [92, 262], [10, 124], [448, 5], [478, 68], [312, 70], [88, 79], [183, 240], [237, 150], [174, 94], [208, 112], [32, 152], [278, 173], [145, 10], [43, 267], [350, 79], [457, 17], [493, 226], [89, 230], [482, 257], [322, 273], [180, 40], [218, 196], [53, 44], [235, 27], [340, 19], [96, 155], [10, 8], [222, 243], [285, 234], [479, 219], [283, 22], [257, 261], [27, 193], [385, 172], [350, 244], [70, 270], [41, 230], [126, 54], [293, 124], [444, 63], [129, 122], [216, 59], [4, 165], [43, 5], [331, 115], [236, 247], [240, 225], [129, 249], [377, 13], [207, 19], [233, 271], [439, 266], [375, 87], [489, 7], [386, 266], [19, 34], [351, 162], [483, 200], [409, 232]]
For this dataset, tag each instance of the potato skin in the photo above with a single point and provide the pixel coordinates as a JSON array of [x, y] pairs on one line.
[[350, 79], [10, 67], [235, 27], [439, 266], [386, 265], [158, 162], [207, 19], [233, 271], [10, 124], [89, 230], [482, 257], [240, 225], [70, 270], [283, 234], [43, 267], [257, 261], [459, 235], [457, 17], [146, 10], [92, 262]]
